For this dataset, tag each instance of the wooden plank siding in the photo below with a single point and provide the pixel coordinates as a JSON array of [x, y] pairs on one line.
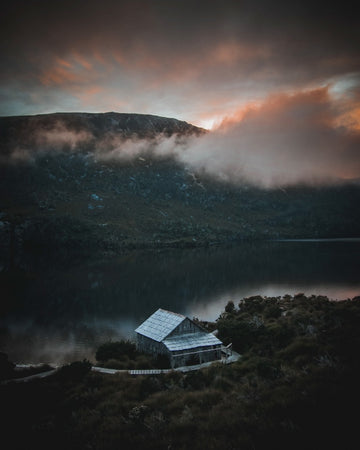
[[187, 326], [149, 346], [198, 355]]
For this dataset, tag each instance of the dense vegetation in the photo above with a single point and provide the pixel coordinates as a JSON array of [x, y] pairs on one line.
[[72, 202], [296, 386]]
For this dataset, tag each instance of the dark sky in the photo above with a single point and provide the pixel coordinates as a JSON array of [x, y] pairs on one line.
[[196, 60], [201, 61]]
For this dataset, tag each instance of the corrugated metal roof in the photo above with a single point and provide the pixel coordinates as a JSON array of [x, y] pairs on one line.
[[193, 340], [160, 324]]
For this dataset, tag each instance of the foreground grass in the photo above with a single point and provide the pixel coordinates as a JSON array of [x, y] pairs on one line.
[[295, 387]]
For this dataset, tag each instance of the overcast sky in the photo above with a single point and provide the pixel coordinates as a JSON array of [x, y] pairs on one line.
[[206, 62]]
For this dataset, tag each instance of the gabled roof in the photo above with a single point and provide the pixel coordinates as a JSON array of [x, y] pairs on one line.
[[193, 340], [160, 324]]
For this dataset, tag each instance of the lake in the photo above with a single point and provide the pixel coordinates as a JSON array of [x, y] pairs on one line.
[[61, 314]]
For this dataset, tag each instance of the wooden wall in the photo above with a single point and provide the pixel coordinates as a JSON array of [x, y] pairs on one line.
[[195, 356], [186, 327], [147, 345]]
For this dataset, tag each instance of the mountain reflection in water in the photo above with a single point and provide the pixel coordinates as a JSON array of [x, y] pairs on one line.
[[62, 314]]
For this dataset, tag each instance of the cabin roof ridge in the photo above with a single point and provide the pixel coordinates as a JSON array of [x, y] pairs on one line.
[[172, 312], [160, 324]]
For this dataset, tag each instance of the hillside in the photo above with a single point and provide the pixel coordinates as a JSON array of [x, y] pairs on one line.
[[64, 130], [295, 386], [92, 183]]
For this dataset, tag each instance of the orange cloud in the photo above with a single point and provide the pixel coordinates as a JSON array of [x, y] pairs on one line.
[[82, 61], [63, 63], [76, 69], [59, 75], [88, 95], [233, 52], [287, 110], [285, 139]]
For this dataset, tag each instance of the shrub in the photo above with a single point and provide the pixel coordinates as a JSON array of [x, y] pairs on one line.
[[279, 335], [301, 351], [230, 307], [267, 368], [116, 364], [143, 362], [75, 371], [241, 333], [116, 350], [272, 312]]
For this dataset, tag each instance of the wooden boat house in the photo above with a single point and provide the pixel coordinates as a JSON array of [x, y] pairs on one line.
[[178, 337]]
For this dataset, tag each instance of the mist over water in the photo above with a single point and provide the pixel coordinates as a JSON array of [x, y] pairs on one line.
[[62, 314]]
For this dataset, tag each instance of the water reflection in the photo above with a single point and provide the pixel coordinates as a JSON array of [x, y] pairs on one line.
[[63, 314]]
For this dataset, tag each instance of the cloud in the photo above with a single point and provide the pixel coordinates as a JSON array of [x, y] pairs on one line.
[[283, 140], [287, 139], [55, 139], [59, 137], [169, 58], [286, 75]]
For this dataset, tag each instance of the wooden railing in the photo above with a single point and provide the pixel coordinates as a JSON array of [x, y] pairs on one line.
[[227, 350]]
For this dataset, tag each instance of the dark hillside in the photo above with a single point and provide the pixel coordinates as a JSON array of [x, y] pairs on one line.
[[59, 193], [29, 132]]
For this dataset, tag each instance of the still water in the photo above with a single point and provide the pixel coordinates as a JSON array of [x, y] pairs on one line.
[[59, 315]]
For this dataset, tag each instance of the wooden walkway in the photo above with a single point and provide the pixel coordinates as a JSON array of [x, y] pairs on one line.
[[30, 377], [230, 359], [148, 371]]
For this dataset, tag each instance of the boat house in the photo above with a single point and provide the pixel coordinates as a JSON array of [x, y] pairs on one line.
[[178, 337]]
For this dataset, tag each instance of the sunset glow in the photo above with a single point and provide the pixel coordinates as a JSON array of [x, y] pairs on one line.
[[209, 65]]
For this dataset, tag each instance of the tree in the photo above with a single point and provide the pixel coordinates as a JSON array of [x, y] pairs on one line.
[[116, 350], [230, 307]]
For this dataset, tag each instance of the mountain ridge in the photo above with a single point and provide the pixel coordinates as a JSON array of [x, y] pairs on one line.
[[28, 131]]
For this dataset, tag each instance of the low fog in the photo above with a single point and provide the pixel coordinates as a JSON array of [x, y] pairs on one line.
[[287, 139]]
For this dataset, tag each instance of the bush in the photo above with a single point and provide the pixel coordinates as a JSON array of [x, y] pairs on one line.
[[241, 333], [278, 335], [272, 312], [75, 371], [267, 368], [230, 307], [116, 364], [301, 351], [143, 362], [116, 350]]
